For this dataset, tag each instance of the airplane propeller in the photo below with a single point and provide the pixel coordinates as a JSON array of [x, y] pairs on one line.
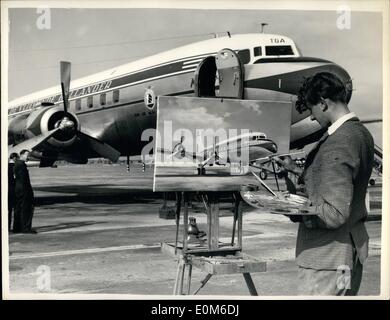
[[65, 124], [100, 147], [65, 84]]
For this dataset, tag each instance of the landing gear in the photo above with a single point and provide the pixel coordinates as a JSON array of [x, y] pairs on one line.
[[143, 163], [201, 171], [128, 164], [263, 175]]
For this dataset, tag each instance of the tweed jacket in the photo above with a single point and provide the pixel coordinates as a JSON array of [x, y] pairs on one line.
[[336, 177]]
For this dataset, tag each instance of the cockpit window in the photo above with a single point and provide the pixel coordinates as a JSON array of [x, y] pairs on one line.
[[257, 51], [278, 50], [259, 137], [244, 56]]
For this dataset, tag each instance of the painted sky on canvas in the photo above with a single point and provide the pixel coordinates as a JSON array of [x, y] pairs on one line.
[[226, 118]]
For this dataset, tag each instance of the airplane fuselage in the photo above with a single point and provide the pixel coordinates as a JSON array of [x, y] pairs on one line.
[[117, 105], [243, 149]]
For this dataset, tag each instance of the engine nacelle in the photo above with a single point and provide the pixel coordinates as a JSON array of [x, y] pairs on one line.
[[17, 129], [42, 121], [50, 120]]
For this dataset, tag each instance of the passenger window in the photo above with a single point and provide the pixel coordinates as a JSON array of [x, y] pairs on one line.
[[90, 102], [257, 51], [78, 105], [103, 99], [83, 103], [115, 96], [244, 56]]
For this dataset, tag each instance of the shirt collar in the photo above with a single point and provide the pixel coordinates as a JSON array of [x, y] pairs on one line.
[[337, 124]]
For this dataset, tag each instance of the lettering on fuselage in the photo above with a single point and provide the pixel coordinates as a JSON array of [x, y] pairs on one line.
[[277, 40], [152, 73], [91, 89]]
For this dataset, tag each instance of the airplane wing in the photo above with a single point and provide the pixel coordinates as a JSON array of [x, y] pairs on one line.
[[90, 146], [176, 153], [269, 158], [373, 120]]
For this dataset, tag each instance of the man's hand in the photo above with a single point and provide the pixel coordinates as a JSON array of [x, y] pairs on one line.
[[282, 195], [293, 199], [287, 163]]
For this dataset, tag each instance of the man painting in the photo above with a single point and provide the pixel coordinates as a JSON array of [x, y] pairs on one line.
[[333, 244]]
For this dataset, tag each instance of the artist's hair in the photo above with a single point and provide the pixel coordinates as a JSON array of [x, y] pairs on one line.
[[323, 85], [13, 155], [23, 151]]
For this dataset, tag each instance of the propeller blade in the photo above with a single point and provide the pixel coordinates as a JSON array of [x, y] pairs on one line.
[[100, 147], [33, 143], [65, 83]]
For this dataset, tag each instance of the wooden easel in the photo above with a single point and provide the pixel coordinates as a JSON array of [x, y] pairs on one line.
[[214, 257]]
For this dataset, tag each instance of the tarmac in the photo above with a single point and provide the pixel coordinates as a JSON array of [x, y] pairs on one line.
[[99, 232]]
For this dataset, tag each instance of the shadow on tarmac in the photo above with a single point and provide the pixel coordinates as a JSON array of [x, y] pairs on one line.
[[99, 194], [63, 226]]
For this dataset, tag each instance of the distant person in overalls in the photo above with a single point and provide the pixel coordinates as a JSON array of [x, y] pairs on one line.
[[24, 196], [11, 187]]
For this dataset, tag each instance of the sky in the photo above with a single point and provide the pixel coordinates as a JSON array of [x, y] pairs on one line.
[[98, 39]]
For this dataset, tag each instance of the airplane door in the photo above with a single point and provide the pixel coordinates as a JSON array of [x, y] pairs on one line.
[[227, 65], [230, 74], [205, 76]]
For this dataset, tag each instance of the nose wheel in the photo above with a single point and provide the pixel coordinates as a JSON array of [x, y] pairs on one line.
[[263, 175]]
